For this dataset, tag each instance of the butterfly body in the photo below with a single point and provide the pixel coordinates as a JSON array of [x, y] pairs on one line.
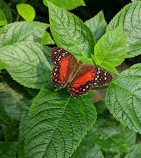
[[81, 78]]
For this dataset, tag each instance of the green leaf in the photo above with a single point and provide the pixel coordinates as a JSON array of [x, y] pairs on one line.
[[108, 136], [8, 149], [47, 39], [26, 11], [130, 17], [97, 25], [70, 33], [135, 152], [12, 102], [3, 65], [88, 148], [11, 132], [22, 31], [100, 106], [110, 50], [5, 8], [27, 63], [21, 153], [130, 135], [66, 4], [124, 97], [3, 20], [57, 123]]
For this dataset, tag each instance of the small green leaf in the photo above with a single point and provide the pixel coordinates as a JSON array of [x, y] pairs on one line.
[[124, 97], [26, 11], [22, 31], [70, 33], [5, 8], [47, 39], [108, 136], [135, 152], [97, 25], [110, 50], [8, 149], [66, 4], [57, 123], [3, 20], [88, 148], [27, 63], [130, 17]]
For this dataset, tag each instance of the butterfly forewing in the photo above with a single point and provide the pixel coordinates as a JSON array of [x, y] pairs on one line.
[[65, 64], [87, 77]]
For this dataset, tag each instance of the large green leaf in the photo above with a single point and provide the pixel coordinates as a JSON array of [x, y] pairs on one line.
[[8, 149], [57, 123], [66, 4], [88, 148], [130, 17], [97, 25], [5, 8], [109, 136], [3, 20], [135, 152], [26, 11], [70, 33], [22, 31], [124, 97], [27, 63], [110, 50]]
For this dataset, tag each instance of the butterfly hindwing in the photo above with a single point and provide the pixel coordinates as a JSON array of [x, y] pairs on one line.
[[87, 77], [64, 63]]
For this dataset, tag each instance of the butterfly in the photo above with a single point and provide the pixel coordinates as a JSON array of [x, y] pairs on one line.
[[81, 78]]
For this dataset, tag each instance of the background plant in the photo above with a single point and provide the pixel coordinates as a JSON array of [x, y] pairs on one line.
[[36, 120]]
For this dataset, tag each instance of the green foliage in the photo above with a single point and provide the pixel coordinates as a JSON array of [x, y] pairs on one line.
[[30, 70], [37, 120], [57, 117], [97, 25], [28, 67], [88, 148], [3, 20], [31, 31], [109, 136], [70, 33], [124, 97], [8, 149], [110, 50], [66, 4], [6, 10], [47, 39], [135, 152], [26, 11], [130, 18]]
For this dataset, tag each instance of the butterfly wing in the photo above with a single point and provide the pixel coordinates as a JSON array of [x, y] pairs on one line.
[[87, 77], [65, 64]]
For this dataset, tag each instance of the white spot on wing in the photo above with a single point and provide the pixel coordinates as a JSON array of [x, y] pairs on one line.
[[105, 78], [84, 89], [87, 86]]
